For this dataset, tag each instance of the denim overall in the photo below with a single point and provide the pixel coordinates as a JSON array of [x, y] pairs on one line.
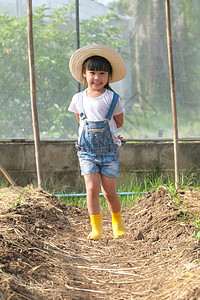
[[96, 144]]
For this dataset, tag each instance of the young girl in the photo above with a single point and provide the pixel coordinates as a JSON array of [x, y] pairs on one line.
[[100, 112]]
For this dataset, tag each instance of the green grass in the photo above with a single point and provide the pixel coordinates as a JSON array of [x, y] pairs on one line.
[[138, 187], [4, 184]]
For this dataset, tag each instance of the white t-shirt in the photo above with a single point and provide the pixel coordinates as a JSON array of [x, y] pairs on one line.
[[96, 110]]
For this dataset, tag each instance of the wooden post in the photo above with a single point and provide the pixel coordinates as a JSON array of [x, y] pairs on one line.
[[5, 173], [173, 94], [77, 35], [33, 93]]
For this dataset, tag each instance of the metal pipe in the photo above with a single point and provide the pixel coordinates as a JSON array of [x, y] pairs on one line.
[[100, 194]]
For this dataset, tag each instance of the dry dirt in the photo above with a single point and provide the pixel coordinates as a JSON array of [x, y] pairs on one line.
[[45, 254]]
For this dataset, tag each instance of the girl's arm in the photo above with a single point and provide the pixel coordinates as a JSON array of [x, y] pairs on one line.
[[77, 116], [119, 120]]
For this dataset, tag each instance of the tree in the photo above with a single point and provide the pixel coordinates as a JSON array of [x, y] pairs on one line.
[[150, 64], [54, 43]]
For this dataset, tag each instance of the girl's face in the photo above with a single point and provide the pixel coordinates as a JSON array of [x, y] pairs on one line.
[[96, 80]]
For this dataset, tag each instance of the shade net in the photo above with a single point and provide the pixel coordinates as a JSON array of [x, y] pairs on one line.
[[137, 29]]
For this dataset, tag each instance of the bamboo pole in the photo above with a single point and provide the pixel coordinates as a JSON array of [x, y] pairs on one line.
[[77, 35], [33, 93], [5, 173], [173, 94]]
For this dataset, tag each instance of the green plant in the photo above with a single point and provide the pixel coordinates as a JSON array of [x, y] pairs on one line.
[[54, 42], [197, 221], [4, 183], [197, 225], [197, 235], [18, 202], [138, 187]]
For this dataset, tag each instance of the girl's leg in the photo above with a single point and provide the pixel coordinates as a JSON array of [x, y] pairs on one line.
[[93, 188], [109, 190], [108, 186]]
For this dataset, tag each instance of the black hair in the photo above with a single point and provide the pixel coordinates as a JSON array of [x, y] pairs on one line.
[[98, 63]]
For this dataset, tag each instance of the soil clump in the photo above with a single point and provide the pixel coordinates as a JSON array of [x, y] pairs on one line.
[[45, 254]]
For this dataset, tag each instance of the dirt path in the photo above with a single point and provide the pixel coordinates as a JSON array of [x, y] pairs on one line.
[[44, 253]]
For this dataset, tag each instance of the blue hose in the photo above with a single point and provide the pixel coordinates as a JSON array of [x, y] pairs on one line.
[[101, 194]]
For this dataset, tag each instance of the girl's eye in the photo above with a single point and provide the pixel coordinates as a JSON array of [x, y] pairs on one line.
[[101, 73]]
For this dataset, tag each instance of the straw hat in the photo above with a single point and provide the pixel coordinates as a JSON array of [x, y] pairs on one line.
[[114, 58]]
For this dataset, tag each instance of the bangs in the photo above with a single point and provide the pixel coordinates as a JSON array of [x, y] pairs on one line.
[[97, 63]]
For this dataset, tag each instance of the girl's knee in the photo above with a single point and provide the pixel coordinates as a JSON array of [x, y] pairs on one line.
[[111, 196]]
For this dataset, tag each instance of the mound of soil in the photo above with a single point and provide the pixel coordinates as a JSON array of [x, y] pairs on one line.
[[45, 254]]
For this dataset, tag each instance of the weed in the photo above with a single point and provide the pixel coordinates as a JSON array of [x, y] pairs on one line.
[[137, 185], [197, 221], [197, 235], [4, 184], [18, 202]]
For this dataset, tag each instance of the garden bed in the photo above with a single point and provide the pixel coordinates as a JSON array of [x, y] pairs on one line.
[[45, 254]]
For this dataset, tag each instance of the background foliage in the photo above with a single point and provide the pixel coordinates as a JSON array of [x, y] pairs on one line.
[[148, 104], [54, 43], [152, 115]]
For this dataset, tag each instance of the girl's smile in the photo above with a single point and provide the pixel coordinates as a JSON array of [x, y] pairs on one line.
[[96, 80]]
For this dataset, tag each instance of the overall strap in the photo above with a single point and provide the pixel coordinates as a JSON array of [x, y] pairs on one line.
[[80, 106], [112, 106]]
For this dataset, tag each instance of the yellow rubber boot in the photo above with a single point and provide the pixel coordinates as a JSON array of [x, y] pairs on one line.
[[117, 225], [96, 222]]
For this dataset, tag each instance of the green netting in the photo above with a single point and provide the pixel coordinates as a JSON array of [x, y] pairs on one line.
[[137, 29]]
